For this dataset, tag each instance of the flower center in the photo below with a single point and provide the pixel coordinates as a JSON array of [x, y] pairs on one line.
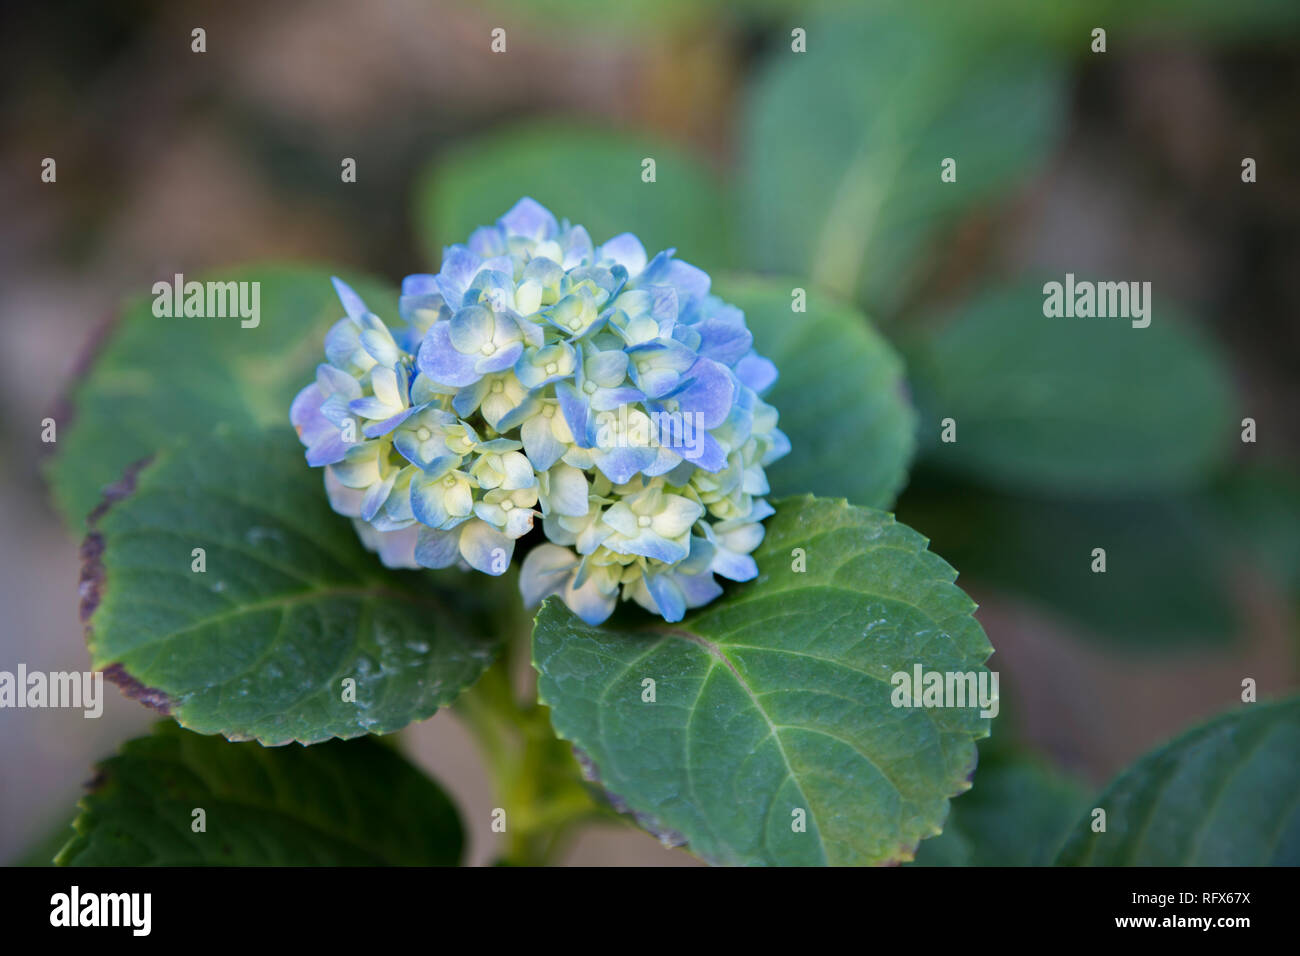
[[449, 481], [575, 324], [507, 505], [643, 521], [551, 368], [548, 411], [589, 388], [498, 387], [423, 433], [488, 348]]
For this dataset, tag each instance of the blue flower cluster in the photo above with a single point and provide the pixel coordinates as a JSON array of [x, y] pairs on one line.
[[541, 376]]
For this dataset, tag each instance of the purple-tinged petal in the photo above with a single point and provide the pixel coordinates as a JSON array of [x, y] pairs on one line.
[[439, 359], [620, 464], [576, 413], [530, 219], [437, 549], [709, 392], [756, 372], [352, 303], [667, 596]]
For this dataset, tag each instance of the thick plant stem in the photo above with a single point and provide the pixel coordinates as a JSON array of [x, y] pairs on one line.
[[535, 777]]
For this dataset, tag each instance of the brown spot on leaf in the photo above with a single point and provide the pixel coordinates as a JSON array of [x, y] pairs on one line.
[[149, 696], [90, 587], [665, 835]]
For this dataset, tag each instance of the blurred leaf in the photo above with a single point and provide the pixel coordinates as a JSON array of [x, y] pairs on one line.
[[162, 380], [589, 176], [339, 804], [778, 697], [1168, 577], [840, 394], [1223, 794], [1066, 25], [843, 145], [289, 606], [1071, 405], [1016, 813], [1260, 508]]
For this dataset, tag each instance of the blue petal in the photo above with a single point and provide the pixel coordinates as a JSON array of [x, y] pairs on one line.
[[756, 372], [530, 219], [327, 450], [352, 303], [627, 250], [709, 392], [733, 566], [375, 429], [576, 413], [437, 549], [698, 589], [459, 266], [420, 283], [540, 443], [439, 359], [667, 595], [546, 570], [470, 397], [620, 464], [481, 546], [724, 341], [708, 456], [503, 359]]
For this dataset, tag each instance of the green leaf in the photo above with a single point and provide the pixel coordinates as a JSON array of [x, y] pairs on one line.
[[841, 394], [159, 380], [843, 146], [1016, 814], [1259, 506], [290, 604], [1223, 794], [1168, 580], [589, 176], [777, 697], [1087, 406], [340, 804]]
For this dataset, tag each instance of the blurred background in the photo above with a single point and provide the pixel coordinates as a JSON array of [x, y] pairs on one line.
[[821, 166]]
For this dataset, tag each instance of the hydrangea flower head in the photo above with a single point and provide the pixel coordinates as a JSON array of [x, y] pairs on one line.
[[540, 381]]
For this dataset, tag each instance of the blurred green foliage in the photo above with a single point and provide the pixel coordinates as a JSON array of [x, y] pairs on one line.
[[585, 175]]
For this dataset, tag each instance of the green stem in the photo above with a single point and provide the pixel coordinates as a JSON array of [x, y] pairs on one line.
[[534, 774]]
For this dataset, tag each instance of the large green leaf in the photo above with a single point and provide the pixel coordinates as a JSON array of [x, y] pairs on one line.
[[290, 604], [1016, 814], [1168, 582], [843, 145], [1224, 794], [840, 393], [1072, 405], [340, 804], [589, 176], [160, 380], [777, 698]]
